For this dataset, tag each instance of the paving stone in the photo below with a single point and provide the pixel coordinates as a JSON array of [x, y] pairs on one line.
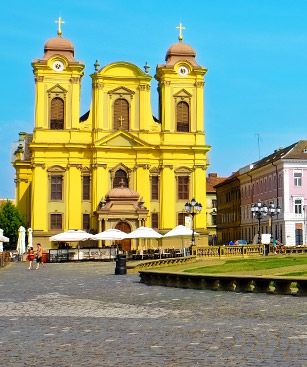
[[83, 315]]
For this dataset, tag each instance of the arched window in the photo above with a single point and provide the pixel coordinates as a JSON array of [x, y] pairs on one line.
[[121, 114], [57, 114], [120, 179], [183, 117]]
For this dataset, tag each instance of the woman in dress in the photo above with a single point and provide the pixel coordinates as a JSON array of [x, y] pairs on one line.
[[30, 257]]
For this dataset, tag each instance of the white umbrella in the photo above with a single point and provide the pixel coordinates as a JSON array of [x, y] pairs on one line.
[[30, 238], [144, 232], [4, 239], [180, 231], [111, 234], [21, 243], [71, 235]]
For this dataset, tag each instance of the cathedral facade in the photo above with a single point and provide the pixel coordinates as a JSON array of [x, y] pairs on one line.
[[117, 166]]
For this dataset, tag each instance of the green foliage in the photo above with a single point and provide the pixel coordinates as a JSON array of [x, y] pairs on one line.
[[10, 221]]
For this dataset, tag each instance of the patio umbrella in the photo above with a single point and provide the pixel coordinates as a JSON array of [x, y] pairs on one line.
[[30, 238], [111, 234], [72, 235], [180, 231], [144, 232], [21, 243], [4, 239]]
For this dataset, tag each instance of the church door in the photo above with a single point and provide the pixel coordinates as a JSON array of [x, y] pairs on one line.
[[124, 245]]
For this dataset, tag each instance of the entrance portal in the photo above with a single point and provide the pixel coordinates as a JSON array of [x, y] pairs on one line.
[[124, 245]]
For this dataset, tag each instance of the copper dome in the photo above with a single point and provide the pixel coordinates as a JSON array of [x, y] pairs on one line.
[[180, 49], [60, 46], [122, 193]]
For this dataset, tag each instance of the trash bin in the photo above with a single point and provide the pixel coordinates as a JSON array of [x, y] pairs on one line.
[[120, 264]]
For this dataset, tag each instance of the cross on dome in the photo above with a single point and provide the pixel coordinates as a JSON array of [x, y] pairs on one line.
[[59, 21], [181, 28]]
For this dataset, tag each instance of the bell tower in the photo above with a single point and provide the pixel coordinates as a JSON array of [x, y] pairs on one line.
[[181, 89], [57, 85]]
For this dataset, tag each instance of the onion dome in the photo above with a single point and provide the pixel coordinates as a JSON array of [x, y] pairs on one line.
[[59, 46]]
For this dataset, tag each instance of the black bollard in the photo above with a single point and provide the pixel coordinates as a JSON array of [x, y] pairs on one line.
[[120, 265]]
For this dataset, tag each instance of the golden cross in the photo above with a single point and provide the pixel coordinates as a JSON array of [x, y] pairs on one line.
[[121, 119], [60, 21], [181, 28]]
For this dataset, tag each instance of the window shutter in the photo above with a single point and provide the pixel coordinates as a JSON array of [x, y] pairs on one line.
[[121, 114], [182, 117], [57, 114]]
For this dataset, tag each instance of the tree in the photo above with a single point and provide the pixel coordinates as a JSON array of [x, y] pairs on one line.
[[10, 221]]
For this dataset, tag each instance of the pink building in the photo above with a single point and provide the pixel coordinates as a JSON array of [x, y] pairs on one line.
[[280, 178]]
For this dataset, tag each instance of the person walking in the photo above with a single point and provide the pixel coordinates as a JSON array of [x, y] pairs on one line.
[[39, 255], [30, 257]]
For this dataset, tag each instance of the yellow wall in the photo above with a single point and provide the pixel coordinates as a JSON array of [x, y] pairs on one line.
[[94, 145]]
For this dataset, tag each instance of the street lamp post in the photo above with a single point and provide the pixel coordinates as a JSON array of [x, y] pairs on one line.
[[272, 211], [193, 207], [259, 210]]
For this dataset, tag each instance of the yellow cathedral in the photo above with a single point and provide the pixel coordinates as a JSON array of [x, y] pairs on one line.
[[117, 166]]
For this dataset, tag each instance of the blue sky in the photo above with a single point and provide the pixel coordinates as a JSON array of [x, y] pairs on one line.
[[255, 52]]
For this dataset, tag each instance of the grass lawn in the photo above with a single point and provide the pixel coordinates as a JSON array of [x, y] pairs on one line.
[[276, 265]]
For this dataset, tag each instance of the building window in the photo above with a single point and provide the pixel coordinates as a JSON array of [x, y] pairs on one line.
[[214, 203], [154, 220], [121, 114], [86, 222], [120, 179], [298, 208], [57, 114], [214, 221], [181, 219], [297, 178], [183, 117], [183, 187], [155, 188], [56, 187], [86, 187], [56, 221]]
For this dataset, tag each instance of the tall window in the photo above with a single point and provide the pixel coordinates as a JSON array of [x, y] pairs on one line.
[[86, 222], [154, 187], [182, 117], [86, 188], [154, 220], [181, 219], [183, 187], [121, 114], [297, 178], [57, 114], [298, 207], [56, 192], [55, 221], [120, 179]]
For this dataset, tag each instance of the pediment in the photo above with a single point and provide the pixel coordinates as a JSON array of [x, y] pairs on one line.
[[121, 139], [122, 91], [183, 93], [57, 89]]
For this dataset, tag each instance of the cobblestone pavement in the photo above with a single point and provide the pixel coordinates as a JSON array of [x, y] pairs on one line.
[[83, 315]]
